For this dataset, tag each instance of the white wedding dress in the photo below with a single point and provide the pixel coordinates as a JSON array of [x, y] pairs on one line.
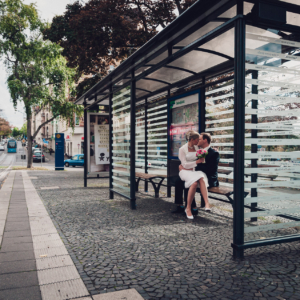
[[188, 161]]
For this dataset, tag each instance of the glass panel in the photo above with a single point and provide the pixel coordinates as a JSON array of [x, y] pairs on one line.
[[140, 139], [140, 93], [157, 138], [199, 61], [230, 13], [292, 18], [197, 34], [158, 59], [272, 138], [121, 141], [247, 7], [219, 122], [170, 75], [149, 85], [225, 47], [291, 1]]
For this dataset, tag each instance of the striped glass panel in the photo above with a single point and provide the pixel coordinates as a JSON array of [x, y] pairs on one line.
[[121, 141], [272, 138]]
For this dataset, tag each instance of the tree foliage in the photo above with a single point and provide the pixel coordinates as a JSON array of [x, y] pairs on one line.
[[15, 132], [102, 33], [37, 72], [4, 127]]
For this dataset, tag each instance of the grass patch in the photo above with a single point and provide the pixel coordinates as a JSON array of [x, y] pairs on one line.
[[276, 221], [261, 218], [30, 169]]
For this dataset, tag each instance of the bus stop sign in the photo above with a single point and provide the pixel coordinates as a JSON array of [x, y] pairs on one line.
[[59, 151]]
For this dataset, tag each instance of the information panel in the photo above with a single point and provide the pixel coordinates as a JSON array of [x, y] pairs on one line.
[[59, 151], [98, 143], [183, 116]]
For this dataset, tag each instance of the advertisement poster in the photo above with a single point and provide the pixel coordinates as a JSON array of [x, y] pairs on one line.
[[184, 114], [98, 141], [101, 144]]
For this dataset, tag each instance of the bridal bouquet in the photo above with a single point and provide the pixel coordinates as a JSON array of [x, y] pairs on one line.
[[201, 154]]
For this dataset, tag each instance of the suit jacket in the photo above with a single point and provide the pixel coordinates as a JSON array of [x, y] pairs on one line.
[[210, 167]]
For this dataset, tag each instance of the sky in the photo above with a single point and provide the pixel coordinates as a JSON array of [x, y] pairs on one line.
[[47, 10]]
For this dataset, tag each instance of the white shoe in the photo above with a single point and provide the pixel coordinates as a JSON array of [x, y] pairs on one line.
[[207, 209], [189, 217]]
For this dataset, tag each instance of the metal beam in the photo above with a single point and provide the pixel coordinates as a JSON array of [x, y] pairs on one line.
[[85, 147], [239, 137], [132, 143], [111, 194]]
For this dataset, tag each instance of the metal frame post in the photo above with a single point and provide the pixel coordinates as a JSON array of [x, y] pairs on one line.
[[146, 144], [169, 188], [239, 137], [85, 146], [202, 119], [254, 120], [111, 193], [132, 141]]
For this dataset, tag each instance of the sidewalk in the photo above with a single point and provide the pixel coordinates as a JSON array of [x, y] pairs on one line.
[[34, 263], [81, 244]]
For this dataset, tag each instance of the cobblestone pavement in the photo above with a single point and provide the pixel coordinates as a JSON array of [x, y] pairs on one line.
[[161, 255]]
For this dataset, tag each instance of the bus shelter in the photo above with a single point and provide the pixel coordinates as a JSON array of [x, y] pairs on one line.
[[230, 68]]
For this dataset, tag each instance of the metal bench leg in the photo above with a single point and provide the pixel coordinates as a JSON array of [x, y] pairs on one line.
[[137, 184], [146, 185], [168, 191], [202, 202], [156, 187]]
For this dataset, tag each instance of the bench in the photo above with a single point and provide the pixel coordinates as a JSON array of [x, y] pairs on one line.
[[150, 177], [219, 190]]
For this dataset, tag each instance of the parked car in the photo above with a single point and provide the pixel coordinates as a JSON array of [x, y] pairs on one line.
[[1, 147], [38, 156], [161, 162], [75, 160]]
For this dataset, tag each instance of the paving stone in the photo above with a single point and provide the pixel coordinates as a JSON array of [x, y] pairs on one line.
[[13, 256], [54, 262], [12, 247], [17, 233], [48, 252], [17, 226], [18, 280], [20, 239], [131, 294], [27, 293], [17, 266], [57, 274], [64, 290]]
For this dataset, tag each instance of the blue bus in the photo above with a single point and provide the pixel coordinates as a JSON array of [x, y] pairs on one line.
[[12, 146]]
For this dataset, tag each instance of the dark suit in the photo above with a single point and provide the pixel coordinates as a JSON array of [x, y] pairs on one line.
[[210, 168]]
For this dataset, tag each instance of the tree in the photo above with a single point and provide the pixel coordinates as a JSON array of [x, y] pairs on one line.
[[4, 128], [15, 132], [23, 130], [38, 75], [99, 34]]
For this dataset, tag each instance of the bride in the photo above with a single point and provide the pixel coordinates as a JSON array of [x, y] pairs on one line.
[[192, 178]]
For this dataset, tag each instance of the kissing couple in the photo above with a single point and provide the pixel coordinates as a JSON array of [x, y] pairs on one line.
[[196, 172]]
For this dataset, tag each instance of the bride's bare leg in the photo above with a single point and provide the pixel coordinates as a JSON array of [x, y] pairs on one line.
[[190, 197], [204, 193]]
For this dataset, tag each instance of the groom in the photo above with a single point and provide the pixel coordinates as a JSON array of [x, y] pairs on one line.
[[210, 168]]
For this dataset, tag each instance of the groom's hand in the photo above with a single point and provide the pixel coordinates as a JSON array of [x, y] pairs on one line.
[[200, 160]]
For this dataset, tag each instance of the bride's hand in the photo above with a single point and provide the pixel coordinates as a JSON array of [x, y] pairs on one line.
[[181, 168], [200, 160]]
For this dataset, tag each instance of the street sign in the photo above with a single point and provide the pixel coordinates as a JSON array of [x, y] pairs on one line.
[[23, 141], [59, 151]]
